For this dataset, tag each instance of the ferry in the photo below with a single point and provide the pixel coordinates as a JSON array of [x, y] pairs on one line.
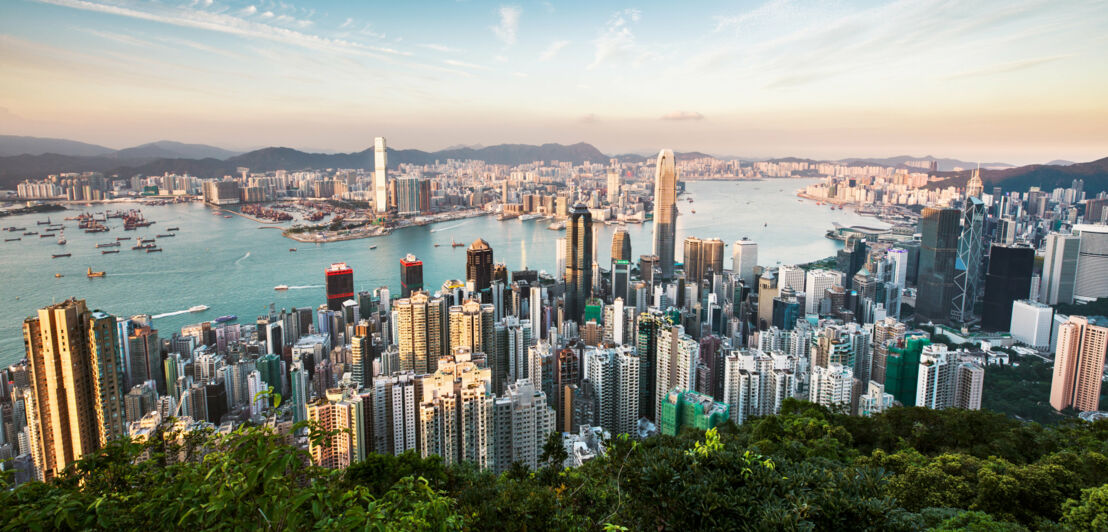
[[281, 287], [144, 246], [92, 274], [226, 215], [60, 255], [557, 226], [109, 251], [454, 244], [47, 222], [30, 233], [151, 250], [198, 308], [223, 319]]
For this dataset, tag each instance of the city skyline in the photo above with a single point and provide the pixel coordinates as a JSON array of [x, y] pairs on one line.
[[989, 81]]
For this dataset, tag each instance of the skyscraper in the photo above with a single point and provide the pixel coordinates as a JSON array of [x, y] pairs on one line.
[[1008, 280], [479, 264], [340, 285], [744, 257], [421, 331], [411, 275], [621, 245], [1079, 365], [613, 186], [971, 256], [472, 326], [702, 258], [342, 414], [409, 195], [455, 411], [1092, 262], [578, 261], [76, 381], [522, 420], [944, 381], [621, 279], [938, 254], [1059, 268], [380, 176], [665, 212]]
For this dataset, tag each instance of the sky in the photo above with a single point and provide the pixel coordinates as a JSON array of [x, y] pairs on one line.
[[1017, 81]]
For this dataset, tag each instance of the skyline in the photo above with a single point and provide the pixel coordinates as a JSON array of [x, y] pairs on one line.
[[1014, 83]]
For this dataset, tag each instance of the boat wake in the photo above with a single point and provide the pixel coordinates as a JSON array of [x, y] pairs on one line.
[[437, 229], [305, 287], [168, 314], [242, 258]]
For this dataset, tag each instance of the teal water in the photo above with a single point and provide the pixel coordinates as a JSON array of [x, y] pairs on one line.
[[232, 264]]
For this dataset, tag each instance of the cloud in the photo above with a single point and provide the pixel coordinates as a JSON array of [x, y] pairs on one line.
[[617, 40], [346, 23], [682, 115], [552, 50], [249, 10], [509, 24], [1002, 68], [463, 64], [439, 47]]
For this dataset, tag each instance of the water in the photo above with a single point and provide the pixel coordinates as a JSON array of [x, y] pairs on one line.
[[232, 264]]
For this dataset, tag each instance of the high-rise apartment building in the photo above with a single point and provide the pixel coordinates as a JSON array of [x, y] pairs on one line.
[[676, 358], [411, 275], [472, 326], [455, 411], [1079, 365], [394, 413], [756, 383], [945, 381], [579, 261], [938, 255], [421, 323], [684, 409], [816, 283], [613, 382], [340, 285], [1059, 268], [380, 176], [831, 386], [76, 381], [479, 264], [665, 212], [342, 415], [522, 421], [886, 332]]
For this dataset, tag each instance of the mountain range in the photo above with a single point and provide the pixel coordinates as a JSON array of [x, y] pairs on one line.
[[1045, 176]]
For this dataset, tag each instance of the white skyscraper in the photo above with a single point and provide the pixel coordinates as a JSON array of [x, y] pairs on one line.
[[817, 283], [380, 176], [744, 257], [559, 258], [1059, 268], [613, 186], [945, 381], [791, 276], [394, 413], [677, 357], [899, 259], [1031, 323]]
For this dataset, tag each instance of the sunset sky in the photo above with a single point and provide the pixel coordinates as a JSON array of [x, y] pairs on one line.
[[1014, 81]]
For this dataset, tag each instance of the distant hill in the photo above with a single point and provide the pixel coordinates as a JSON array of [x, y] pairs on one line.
[[945, 165], [1046, 177], [16, 145], [1060, 162], [168, 149]]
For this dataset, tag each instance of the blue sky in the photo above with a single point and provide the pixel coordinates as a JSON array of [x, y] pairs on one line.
[[1020, 81]]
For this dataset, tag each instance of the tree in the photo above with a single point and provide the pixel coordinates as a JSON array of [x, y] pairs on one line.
[[554, 451], [1089, 513]]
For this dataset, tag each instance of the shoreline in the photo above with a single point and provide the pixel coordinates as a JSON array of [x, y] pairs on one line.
[[377, 231]]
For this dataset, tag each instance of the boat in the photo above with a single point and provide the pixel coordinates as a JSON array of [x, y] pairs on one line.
[[292, 249], [109, 251], [166, 236], [557, 226], [198, 308], [60, 255], [281, 287], [108, 245], [174, 229], [58, 275], [436, 245], [151, 250], [46, 235], [525, 217], [12, 239], [61, 241], [47, 222], [454, 244], [92, 274], [226, 215], [30, 233], [119, 238], [374, 246], [229, 317]]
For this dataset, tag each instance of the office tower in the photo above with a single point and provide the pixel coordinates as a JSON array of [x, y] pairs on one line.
[[298, 382], [535, 311], [578, 262], [1005, 231], [340, 285], [380, 176], [767, 290], [411, 275], [1079, 365], [1092, 262], [851, 258], [471, 325], [898, 257], [817, 282], [676, 358], [971, 256], [975, 187], [702, 258], [831, 386], [559, 258], [1059, 268], [621, 245], [1008, 280], [143, 360], [744, 257], [792, 277], [613, 187], [342, 416], [1031, 323], [522, 421], [665, 212], [902, 368], [394, 413], [885, 331], [944, 381], [938, 254], [621, 279], [269, 367], [76, 380], [455, 411], [421, 331], [413, 196], [683, 409], [479, 264]]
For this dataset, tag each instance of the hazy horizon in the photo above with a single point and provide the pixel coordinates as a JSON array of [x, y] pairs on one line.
[[1006, 82]]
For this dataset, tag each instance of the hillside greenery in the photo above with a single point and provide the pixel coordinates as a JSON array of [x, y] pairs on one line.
[[804, 469]]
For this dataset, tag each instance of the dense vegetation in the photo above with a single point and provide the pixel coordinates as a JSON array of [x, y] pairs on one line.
[[1093, 308], [805, 469]]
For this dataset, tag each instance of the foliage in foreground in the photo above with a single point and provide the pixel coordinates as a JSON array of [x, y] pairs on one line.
[[805, 469]]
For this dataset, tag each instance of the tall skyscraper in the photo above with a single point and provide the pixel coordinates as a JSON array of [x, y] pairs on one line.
[[479, 264], [380, 176], [1059, 268], [621, 245], [472, 326], [675, 361], [613, 186], [1079, 365], [1092, 262], [938, 254], [76, 380], [411, 275], [665, 212], [340, 285], [744, 257], [1008, 280], [702, 258], [975, 187], [816, 283], [394, 413], [578, 261], [410, 195], [621, 279], [455, 411], [421, 331], [971, 256]]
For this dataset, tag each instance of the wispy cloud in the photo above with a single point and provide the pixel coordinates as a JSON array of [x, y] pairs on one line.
[[552, 50], [616, 39], [509, 24], [439, 48], [1002, 68], [682, 115], [463, 64]]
